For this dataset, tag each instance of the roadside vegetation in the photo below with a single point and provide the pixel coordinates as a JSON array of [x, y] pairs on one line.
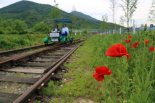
[[12, 41], [132, 80]]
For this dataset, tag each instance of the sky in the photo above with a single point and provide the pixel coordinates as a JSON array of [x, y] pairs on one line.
[[96, 8]]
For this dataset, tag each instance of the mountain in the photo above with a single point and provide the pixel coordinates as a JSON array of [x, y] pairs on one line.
[[84, 16], [24, 6], [32, 13], [28, 11]]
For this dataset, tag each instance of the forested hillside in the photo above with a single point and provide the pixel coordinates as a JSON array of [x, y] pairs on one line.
[[26, 16]]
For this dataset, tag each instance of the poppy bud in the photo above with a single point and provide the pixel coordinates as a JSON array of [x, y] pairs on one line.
[[135, 45], [146, 41], [151, 49], [129, 37]]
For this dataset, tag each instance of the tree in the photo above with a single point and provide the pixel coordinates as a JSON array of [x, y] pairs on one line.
[[145, 27], [152, 12], [55, 12], [122, 20], [104, 24], [13, 27], [32, 17], [113, 7], [113, 2], [20, 26], [129, 7], [41, 28]]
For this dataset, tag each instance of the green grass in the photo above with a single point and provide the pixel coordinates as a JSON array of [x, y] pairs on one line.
[[10, 41], [132, 81]]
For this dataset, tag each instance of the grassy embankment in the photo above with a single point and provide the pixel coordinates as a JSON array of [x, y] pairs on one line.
[[12, 41], [132, 80]]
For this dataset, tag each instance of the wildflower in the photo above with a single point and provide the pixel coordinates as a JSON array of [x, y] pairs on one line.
[[146, 41], [100, 72], [135, 45], [151, 49], [117, 50], [128, 41], [129, 37]]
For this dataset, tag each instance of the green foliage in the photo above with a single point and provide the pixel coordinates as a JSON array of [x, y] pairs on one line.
[[55, 12], [9, 41], [20, 26], [37, 101], [50, 90], [86, 17], [1, 30], [145, 27], [104, 26], [85, 32], [13, 27], [41, 27]]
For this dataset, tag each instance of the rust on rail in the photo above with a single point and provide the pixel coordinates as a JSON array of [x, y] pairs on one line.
[[26, 95]]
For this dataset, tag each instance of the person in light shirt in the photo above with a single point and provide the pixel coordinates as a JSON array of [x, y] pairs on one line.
[[65, 30], [56, 29]]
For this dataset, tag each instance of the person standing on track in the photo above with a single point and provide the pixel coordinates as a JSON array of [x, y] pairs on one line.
[[56, 29], [65, 30]]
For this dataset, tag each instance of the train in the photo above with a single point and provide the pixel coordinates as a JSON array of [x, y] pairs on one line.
[[57, 36]]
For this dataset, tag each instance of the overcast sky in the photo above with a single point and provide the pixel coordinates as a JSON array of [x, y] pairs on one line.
[[95, 8]]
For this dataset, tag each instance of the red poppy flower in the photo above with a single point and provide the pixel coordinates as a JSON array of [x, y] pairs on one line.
[[151, 49], [103, 70], [135, 45], [100, 72], [98, 77], [129, 36], [128, 41], [146, 41], [117, 50]]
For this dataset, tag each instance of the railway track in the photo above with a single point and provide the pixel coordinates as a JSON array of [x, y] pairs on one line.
[[7, 56], [29, 72]]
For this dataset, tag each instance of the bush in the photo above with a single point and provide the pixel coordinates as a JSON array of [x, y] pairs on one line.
[[1, 31], [41, 28], [13, 27], [10, 41]]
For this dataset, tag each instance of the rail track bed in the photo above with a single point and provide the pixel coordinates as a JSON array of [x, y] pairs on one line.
[[7, 56], [29, 72]]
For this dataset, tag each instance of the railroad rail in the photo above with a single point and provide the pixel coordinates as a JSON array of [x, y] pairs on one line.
[[8, 56], [9, 52], [28, 73]]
